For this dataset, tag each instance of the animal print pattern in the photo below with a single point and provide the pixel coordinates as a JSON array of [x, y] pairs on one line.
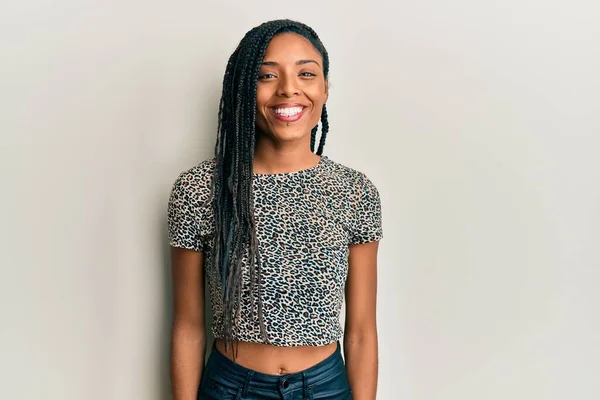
[[306, 221]]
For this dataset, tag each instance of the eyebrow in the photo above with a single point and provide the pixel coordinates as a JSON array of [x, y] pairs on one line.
[[299, 62]]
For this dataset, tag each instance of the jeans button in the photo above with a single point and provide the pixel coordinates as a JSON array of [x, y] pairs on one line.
[[285, 383]]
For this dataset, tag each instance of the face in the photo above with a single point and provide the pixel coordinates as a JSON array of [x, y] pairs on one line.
[[291, 88]]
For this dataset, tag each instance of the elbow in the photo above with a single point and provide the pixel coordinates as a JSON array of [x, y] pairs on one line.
[[361, 335], [188, 332]]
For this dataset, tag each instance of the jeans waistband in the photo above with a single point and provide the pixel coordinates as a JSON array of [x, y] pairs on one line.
[[223, 366]]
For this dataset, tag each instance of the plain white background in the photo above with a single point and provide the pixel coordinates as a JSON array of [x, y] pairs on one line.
[[477, 121]]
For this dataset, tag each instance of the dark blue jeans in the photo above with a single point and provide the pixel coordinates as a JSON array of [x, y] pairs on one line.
[[224, 379]]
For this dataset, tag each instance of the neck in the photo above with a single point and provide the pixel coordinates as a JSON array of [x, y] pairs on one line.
[[269, 159]]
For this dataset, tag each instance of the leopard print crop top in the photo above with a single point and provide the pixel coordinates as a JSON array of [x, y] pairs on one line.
[[305, 221]]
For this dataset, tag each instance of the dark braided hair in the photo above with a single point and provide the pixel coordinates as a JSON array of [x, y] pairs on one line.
[[235, 226]]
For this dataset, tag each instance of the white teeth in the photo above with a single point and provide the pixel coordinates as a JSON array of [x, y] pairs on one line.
[[288, 112]]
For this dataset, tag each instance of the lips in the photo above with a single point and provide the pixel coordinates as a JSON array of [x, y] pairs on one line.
[[288, 112]]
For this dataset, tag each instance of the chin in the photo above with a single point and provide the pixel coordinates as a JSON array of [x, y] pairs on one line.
[[287, 133]]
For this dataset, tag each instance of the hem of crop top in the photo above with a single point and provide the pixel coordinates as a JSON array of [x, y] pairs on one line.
[[323, 342]]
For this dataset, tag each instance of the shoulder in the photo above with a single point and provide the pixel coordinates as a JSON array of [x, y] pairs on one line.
[[197, 178], [193, 186], [189, 216], [353, 178]]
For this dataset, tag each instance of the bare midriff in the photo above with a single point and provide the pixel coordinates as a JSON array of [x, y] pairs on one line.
[[276, 360]]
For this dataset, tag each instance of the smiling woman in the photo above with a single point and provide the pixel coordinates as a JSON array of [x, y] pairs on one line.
[[291, 70], [281, 233]]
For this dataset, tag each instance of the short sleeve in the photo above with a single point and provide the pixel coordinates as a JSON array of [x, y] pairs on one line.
[[182, 216], [367, 224]]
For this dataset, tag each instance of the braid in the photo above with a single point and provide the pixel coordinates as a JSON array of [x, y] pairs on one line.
[[232, 187], [324, 130], [313, 135]]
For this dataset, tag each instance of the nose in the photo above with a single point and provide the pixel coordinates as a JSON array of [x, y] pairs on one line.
[[288, 86]]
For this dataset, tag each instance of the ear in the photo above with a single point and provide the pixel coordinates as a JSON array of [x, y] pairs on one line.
[[326, 89]]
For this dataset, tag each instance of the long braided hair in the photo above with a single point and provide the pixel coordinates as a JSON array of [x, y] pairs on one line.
[[235, 226]]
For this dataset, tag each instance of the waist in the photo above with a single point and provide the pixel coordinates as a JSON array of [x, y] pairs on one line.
[[270, 362]]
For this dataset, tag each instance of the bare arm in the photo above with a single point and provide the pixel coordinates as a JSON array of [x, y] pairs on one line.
[[360, 333], [188, 337]]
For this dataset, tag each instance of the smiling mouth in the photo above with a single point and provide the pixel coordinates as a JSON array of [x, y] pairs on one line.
[[288, 114]]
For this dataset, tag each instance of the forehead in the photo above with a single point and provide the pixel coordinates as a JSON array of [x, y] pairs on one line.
[[291, 47]]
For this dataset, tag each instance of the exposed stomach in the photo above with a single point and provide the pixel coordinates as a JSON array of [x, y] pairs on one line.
[[276, 360]]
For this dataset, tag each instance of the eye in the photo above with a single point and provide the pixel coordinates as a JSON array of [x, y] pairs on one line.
[[266, 76], [307, 74]]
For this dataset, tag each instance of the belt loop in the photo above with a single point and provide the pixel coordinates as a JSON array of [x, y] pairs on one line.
[[247, 382], [306, 387]]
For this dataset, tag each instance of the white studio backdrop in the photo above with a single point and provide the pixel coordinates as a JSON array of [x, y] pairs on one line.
[[477, 121]]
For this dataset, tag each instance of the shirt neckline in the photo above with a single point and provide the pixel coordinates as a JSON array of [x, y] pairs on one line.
[[292, 174]]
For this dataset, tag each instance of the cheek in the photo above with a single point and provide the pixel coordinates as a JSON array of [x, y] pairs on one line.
[[261, 100], [316, 94], [262, 97]]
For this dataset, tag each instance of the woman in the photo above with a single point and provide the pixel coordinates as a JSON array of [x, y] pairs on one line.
[[281, 233]]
